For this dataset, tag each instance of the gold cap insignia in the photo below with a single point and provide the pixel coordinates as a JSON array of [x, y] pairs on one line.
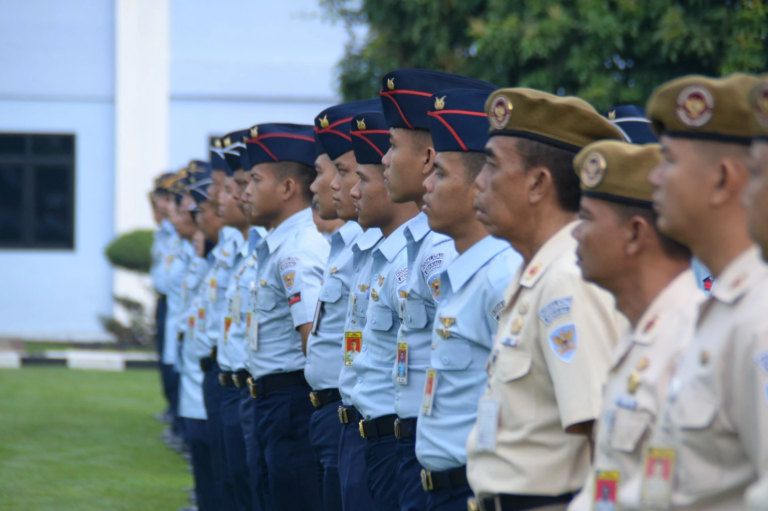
[[391, 83], [361, 124], [227, 142], [501, 111], [254, 132], [363, 287], [217, 143], [633, 383], [447, 322], [694, 106], [443, 333], [324, 122], [439, 103], [593, 170], [612, 115]]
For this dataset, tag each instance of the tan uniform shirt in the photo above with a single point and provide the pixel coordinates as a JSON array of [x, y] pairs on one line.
[[636, 390], [550, 358], [716, 414]]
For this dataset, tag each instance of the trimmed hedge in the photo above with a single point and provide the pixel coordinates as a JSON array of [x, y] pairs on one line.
[[132, 251]]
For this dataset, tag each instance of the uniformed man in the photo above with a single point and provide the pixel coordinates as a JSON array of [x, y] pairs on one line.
[[323, 363], [472, 296], [191, 404], [283, 299], [374, 319], [208, 327], [405, 96], [530, 444], [621, 250], [229, 355], [711, 441]]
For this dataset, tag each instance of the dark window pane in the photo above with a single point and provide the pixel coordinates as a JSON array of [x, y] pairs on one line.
[[53, 145], [53, 205], [12, 145], [10, 203]]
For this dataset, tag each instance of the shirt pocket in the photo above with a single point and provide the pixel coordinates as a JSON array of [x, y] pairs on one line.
[[513, 370], [415, 313], [693, 415], [361, 305], [380, 319], [331, 291], [628, 429], [452, 355], [267, 300]]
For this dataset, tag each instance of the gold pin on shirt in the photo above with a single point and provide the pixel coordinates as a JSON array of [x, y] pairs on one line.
[[517, 325], [263, 283], [333, 270], [633, 382], [704, 357], [363, 287], [447, 322], [523, 309], [381, 280], [443, 333], [374, 295], [643, 364]]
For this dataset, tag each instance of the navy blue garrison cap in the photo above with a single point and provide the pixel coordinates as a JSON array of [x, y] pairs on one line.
[[458, 121], [161, 182], [406, 94], [631, 121], [237, 157], [216, 155], [199, 194], [370, 137], [282, 142], [332, 125]]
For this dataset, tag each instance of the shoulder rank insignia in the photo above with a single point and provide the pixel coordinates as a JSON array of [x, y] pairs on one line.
[[374, 295], [324, 122], [443, 333], [363, 287], [361, 124], [447, 322], [391, 83]]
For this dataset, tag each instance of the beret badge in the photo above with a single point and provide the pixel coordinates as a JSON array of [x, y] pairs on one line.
[[361, 124], [593, 170], [500, 112], [694, 106]]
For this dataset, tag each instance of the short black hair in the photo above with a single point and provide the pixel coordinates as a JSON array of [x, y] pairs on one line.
[[420, 138], [560, 165], [473, 162], [302, 173], [672, 249]]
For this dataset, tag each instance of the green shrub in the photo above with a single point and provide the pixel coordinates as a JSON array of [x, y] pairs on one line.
[[132, 251]]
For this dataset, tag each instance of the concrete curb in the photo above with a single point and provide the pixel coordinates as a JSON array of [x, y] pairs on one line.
[[80, 359]]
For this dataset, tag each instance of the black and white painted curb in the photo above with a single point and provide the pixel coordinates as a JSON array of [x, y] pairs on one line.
[[79, 359]]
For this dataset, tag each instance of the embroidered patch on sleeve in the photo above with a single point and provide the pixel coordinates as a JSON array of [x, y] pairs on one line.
[[289, 279], [431, 263], [294, 299], [288, 262], [434, 283], [496, 311], [401, 275], [555, 309], [563, 342]]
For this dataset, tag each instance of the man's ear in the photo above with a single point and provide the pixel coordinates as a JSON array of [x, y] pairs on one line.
[[635, 233], [288, 188], [732, 177], [539, 184], [429, 161]]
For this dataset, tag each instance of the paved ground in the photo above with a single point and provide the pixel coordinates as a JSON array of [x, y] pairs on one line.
[[85, 441]]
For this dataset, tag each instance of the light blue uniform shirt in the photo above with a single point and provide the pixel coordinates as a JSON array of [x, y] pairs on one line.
[[180, 255], [212, 302], [158, 272], [362, 250], [701, 273], [467, 318], [374, 392], [429, 253], [322, 365], [232, 351], [291, 262], [191, 405]]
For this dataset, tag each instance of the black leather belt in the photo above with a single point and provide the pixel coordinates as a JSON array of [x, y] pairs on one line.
[[506, 502], [349, 415], [383, 426], [405, 428], [454, 479], [225, 379], [273, 382], [240, 378], [206, 363], [323, 397]]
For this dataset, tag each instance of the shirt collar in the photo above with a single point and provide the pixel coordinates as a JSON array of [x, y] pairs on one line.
[[676, 293], [280, 233], [417, 227], [467, 264], [556, 246], [255, 235], [393, 244], [167, 226], [367, 240], [740, 276]]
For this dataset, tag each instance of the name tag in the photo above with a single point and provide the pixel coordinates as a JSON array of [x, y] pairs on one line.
[[353, 342], [252, 320], [429, 392], [402, 363], [227, 326], [236, 306], [658, 475], [212, 290], [606, 489], [487, 424], [201, 319], [184, 289]]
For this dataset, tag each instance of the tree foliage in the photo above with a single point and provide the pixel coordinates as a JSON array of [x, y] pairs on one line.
[[608, 52], [132, 251]]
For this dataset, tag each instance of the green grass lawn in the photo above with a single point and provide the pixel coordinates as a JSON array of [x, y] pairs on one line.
[[85, 440]]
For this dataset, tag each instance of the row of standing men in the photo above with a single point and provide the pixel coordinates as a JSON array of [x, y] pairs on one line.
[[504, 316]]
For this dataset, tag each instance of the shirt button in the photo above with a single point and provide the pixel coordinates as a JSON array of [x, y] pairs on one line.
[[373, 321], [446, 361], [409, 317], [359, 379], [365, 348]]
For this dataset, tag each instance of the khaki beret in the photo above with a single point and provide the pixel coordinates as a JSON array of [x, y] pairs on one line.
[[703, 108], [758, 102], [566, 122], [617, 171]]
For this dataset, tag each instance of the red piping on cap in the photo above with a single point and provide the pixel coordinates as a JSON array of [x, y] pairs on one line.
[[388, 94]]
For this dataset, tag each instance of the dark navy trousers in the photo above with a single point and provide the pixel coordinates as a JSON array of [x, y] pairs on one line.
[[449, 499], [171, 380], [282, 433], [381, 458], [257, 470], [234, 448], [324, 430], [202, 463], [353, 470], [221, 479], [411, 494]]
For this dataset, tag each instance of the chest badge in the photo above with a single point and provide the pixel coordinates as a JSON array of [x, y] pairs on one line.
[[363, 287], [443, 333], [523, 309], [517, 325], [374, 295], [263, 283], [643, 364], [633, 383], [333, 270], [381, 280], [447, 322]]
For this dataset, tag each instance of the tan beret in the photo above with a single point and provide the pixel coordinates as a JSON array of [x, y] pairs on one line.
[[758, 102], [566, 122], [703, 108], [618, 171]]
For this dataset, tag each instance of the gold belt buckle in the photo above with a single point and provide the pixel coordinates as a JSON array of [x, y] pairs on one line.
[[472, 504], [315, 400], [362, 429], [397, 428], [236, 380], [222, 380], [343, 418], [252, 388], [426, 480]]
